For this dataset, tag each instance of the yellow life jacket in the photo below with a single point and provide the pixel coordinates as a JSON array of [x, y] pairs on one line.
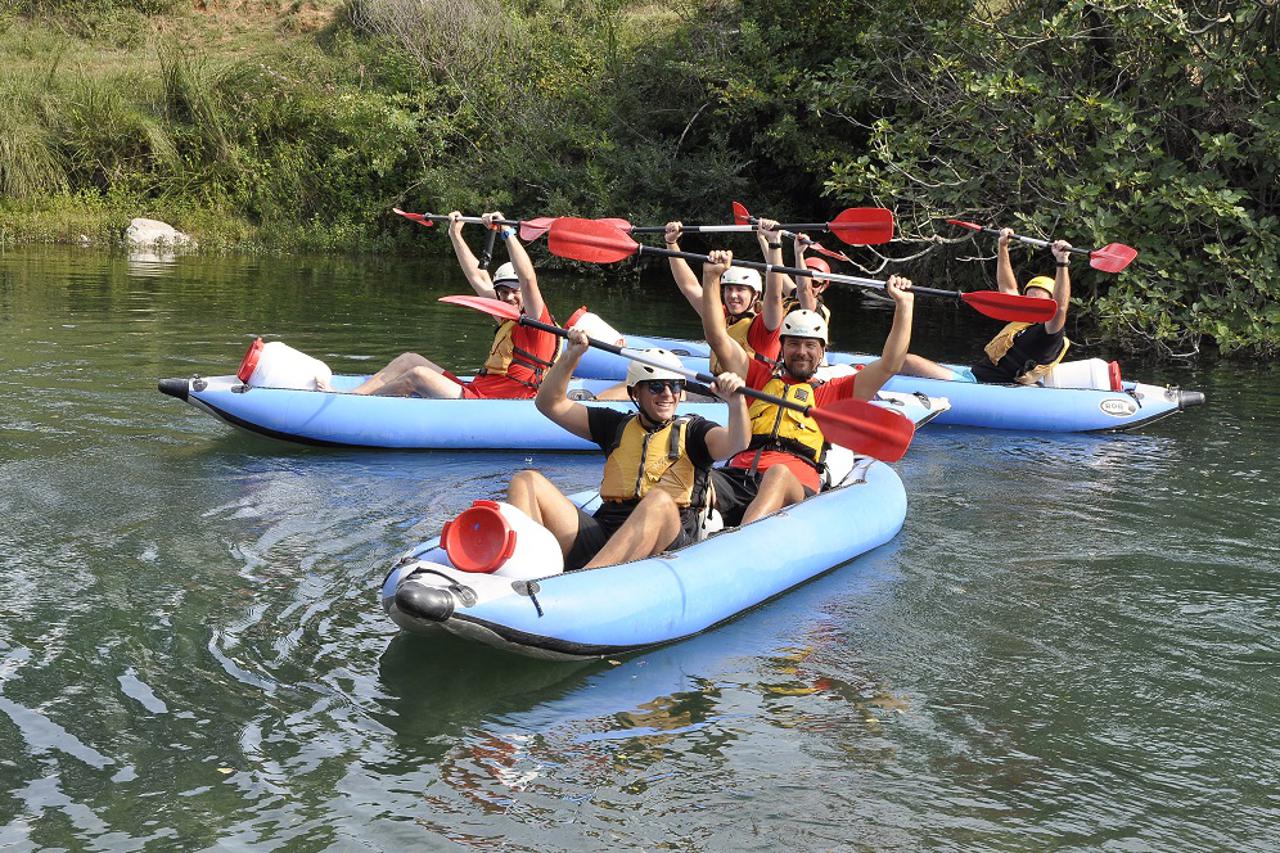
[[1000, 345], [776, 428], [641, 460], [738, 330], [504, 352]]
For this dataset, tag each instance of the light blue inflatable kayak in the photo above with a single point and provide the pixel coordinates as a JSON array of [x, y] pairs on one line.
[[611, 610], [336, 419], [1013, 407]]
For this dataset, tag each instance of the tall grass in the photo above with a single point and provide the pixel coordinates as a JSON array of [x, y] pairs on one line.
[[31, 161]]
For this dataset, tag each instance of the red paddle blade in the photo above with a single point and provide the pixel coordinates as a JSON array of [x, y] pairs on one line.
[[413, 217], [492, 307], [830, 253], [1112, 257], [972, 226], [866, 429], [863, 226], [532, 229], [620, 224], [1011, 307], [741, 216], [589, 241]]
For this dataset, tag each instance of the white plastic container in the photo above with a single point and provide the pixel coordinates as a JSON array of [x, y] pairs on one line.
[[595, 327], [1088, 373], [277, 365], [492, 537]]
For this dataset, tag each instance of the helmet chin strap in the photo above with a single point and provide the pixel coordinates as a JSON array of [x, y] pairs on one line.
[[644, 416]]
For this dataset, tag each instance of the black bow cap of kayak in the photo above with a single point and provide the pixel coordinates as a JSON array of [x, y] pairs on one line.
[[424, 602], [174, 388]]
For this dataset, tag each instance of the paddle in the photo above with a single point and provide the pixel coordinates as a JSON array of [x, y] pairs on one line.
[[1112, 257], [855, 424], [858, 226], [601, 243], [530, 230]]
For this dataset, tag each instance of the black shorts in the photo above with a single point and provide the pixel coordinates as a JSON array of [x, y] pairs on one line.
[[594, 531], [736, 488]]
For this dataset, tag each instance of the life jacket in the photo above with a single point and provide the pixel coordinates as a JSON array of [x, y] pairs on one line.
[[504, 353], [738, 330], [790, 304], [1003, 347], [776, 428], [640, 460]]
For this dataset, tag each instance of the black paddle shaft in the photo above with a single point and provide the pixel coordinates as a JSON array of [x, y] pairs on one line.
[[704, 378], [856, 281], [1035, 241]]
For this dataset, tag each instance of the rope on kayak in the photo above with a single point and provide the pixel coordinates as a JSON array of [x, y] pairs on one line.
[[529, 588]]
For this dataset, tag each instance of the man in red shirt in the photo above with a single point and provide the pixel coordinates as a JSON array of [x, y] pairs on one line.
[[519, 355], [784, 461]]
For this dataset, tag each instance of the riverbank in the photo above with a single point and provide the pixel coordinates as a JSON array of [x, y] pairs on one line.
[[296, 127]]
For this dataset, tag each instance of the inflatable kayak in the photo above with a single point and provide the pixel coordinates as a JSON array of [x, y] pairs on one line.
[[611, 610], [337, 419], [1013, 407]]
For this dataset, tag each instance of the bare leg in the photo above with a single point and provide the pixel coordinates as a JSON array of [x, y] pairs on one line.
[[652, 526], [423, 381], [398, 365], [614, 392], [535, 496], [916, 365], [778, 488]]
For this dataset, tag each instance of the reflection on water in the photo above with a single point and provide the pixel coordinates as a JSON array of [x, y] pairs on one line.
[[1072, 642]]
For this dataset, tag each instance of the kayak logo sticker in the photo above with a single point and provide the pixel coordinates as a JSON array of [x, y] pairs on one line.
[[1118, 408]]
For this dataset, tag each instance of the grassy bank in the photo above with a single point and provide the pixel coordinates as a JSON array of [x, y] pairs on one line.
[[298, 126]]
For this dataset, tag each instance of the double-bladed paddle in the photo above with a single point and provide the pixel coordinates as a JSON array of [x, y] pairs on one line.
[[530, 229], [857, 226], [1112, 257], [855, 424], [601, 243]]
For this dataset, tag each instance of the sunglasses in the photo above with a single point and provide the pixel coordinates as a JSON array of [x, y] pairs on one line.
[[655, 386]]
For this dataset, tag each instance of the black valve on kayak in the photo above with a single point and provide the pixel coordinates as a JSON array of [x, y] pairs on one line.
[[426, 602]]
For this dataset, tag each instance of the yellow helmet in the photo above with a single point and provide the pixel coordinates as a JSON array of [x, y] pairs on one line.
[[1041, 281]]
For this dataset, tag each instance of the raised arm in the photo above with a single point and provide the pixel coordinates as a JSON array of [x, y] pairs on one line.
[[685, 278], [774, 282], [872, 377], [530, 295], [553, 397], [1006, 281], [478, 278], [803, 293], [725, 441], [730, 353], [1061, 286]]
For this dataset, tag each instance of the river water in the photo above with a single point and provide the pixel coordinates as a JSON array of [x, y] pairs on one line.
[[1071, 644]]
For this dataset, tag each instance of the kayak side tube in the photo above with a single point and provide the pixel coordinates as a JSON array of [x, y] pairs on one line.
[[611, 610], [1030, 408]]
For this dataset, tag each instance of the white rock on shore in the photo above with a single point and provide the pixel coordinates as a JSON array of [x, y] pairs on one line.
[[153, 232]]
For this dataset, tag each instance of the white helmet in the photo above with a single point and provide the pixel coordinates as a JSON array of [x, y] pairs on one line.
[[742, 277], [803, 323], [638, 372], [506, 273]]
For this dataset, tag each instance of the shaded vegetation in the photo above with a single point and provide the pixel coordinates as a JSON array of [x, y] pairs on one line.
[[1153, 123]]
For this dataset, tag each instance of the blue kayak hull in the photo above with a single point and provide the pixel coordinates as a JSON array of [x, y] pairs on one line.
[[615, 609], [336, 419], [1012, 407]]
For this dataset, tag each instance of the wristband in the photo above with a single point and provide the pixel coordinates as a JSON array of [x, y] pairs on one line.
[[1064, 263], [507, 233], [774, 245]]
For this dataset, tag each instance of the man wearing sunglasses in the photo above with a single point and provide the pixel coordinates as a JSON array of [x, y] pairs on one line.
[[656, 469]]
